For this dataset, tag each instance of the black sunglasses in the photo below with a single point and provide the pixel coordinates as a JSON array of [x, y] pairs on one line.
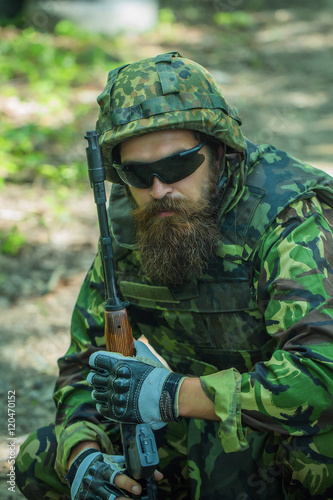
[[170, 169]]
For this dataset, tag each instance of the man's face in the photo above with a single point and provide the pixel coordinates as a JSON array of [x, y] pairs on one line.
[[152, 147], [176, 224]]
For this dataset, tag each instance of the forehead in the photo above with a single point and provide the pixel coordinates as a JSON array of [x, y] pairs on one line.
[[151, 147]]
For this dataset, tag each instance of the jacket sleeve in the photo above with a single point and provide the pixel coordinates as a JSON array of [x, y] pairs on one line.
[[291, 393], [76, 417]]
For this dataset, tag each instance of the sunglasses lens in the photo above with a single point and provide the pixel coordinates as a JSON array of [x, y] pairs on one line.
[[169, 170], [135, 177], [177, 169]]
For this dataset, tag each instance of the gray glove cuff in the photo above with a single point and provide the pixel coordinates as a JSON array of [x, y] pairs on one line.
[[169, 398]]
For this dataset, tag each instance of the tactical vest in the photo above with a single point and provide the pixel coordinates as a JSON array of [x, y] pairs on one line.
[[215, 323]]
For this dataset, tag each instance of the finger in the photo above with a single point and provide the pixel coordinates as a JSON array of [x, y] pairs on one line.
[[100, 397], [93, 358], [143, 351], [106, 494], [143, 343], [97, 380], [103, 410], [158, 475], [103, 359], [128, 484], [157, 425]]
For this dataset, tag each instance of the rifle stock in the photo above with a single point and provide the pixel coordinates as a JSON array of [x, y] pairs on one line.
[[139, 445], [118, 332]]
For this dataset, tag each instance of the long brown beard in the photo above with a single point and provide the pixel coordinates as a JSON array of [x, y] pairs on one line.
[[176, 249]]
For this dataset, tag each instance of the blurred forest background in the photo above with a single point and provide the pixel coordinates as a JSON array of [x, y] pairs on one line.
[[272, 59]]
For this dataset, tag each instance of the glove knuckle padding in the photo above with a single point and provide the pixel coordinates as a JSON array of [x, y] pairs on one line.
[[123, 372], [120, 404], [121, 385]]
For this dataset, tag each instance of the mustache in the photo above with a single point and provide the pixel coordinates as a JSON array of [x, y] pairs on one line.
[[180, 207]]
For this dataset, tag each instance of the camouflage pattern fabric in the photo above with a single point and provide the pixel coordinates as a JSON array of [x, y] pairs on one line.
[[195, 468], [257, 328], [35, 473]]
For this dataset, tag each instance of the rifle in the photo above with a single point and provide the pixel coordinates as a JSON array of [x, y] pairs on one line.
[[138, 440]]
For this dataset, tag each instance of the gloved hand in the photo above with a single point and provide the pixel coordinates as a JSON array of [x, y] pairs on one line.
[[134, 390], [92, 475]]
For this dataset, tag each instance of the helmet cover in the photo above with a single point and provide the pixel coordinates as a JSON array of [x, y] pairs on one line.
[[160, 93]]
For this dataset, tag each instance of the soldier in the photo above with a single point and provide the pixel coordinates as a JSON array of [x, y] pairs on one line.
[[224, 250]]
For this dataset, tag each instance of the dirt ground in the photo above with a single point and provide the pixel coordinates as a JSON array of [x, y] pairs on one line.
[[282, 82]]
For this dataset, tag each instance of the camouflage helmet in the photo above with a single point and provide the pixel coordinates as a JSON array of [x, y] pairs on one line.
[[159, 93]]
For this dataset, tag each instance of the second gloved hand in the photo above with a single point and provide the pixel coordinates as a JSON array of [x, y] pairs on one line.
[[134, 390], [92, 476]]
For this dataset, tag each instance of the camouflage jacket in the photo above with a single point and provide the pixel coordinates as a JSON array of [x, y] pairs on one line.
[[258, 325]]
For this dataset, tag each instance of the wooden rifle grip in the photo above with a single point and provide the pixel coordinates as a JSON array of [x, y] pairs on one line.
[[118, 333]]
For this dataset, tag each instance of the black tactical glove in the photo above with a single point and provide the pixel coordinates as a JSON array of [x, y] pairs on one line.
[[92, 475], [134, 390]]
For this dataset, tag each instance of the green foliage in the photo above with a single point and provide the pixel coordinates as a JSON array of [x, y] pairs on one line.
[[69, 174], [12, 241], [237, 19], [67, 28], [42, 77], [18, 156], [166, 16], [34, 57]]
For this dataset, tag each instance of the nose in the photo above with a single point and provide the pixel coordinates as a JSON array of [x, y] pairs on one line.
[[159, 189]]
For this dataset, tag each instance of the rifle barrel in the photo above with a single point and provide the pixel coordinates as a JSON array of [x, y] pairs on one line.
[[138, 440]]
